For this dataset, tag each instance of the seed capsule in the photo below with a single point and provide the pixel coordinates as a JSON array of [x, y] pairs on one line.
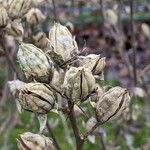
[[62, 44], [34, 63], [3, 16], [33, 141], [34, 16], [78, 83], [145, 29], [112, 104], [94, 62], [18, 8], [36, 97], [15, 28]]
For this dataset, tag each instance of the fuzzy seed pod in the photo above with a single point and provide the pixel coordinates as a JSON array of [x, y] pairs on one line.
[[18, 8], [111, 17], [15, 28], [3, 16], [78, 83], [34, 16], [62, 44], [94, 62], [34, 63], [31, 141], [112, 104], [36, 97]]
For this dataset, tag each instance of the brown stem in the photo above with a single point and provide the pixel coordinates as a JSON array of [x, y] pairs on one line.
[[54, 10], [78, 137], [52, 136]]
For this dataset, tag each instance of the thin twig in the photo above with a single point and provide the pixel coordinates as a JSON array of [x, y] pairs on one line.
[[52, 136]]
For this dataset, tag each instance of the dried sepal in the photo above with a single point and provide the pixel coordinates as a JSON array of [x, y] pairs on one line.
[[93, 62], [34, 63], [78, 83], [33, 141], [3, 16], [112, 104], [62, 44]]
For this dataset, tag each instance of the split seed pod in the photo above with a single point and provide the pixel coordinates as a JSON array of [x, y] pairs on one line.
[[36, 97], [94, 62], [33, 141], [34, 16], [112, 104], [3, 16], [18, 8], [78, 83], [34, 63], [62, 44]]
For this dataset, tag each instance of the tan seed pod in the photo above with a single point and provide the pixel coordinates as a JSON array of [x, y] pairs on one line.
[[111, 17], [18, 8], [3, 16], [34, 16], [34, 63], [112, 104], [62, 44], [36, 97], [33, 141], [145, 29], [78, 83], [93, 62]]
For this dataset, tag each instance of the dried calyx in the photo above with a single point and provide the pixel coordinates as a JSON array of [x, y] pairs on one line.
[[35, 64], [78, 83], [112, 104], [33, 141]]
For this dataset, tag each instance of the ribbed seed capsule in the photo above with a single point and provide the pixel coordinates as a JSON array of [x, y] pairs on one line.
[[62, 44], [3, 16], [15, 28], [31, 141], [34, 16], [34, 63], [18, 8], [112, 104], [36, 97], [94, 62], [78, 83]]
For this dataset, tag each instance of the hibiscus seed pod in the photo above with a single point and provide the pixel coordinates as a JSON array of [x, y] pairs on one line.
[[78, 83], [111, 17], [18, 8], [15, 28], [31, 141], [36, 97], [62, 44], [112, 104], [34, 63], [35, 16], [94, 62], [3, 16]]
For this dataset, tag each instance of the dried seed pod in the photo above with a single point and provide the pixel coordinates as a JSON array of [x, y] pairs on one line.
[[18, 8], [15, 28], [33, 141], [35, 16], [3, 16], [62, 44], [145, 29], [36, 97], [111, 17], [112, 104], [34, 63], [94, 62], [78, 83]]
